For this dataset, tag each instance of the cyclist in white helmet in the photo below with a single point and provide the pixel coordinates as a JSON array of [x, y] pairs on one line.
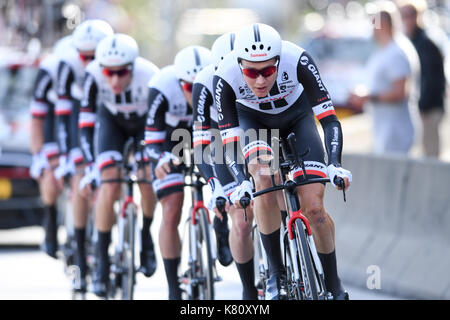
[[170, 108], [216, 171], [115, 99], [44, 146], [268, 84], [69, 91]]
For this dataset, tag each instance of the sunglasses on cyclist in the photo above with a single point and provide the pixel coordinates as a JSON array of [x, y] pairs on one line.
[[85, 57], [187, 86], [120, 73], [254, 73]]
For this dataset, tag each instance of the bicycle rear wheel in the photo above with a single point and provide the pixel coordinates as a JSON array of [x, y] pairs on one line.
[[309, 285], [204, 264], [128, 255], [260, 264]]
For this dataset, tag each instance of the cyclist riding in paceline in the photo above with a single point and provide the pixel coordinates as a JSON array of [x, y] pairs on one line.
[[44, 145], [115, 104], [71, 72], [266, 85], [170, 108], [215, 171]]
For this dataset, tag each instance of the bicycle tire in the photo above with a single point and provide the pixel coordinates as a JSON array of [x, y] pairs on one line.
[[205, 257], [128, 254], [310, 286], [260, 270]]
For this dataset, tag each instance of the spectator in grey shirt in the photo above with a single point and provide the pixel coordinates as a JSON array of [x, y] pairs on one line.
[[390, 76]]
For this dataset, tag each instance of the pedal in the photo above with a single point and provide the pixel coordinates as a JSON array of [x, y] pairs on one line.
[[218, 278]]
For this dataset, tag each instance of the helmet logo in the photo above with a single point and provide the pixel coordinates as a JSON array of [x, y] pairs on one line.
[[304, 60], [254, 55]]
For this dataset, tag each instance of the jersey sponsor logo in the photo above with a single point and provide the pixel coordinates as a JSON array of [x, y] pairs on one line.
[[40, 88], [62, 80], [219, 88], [304, 60], [285, 76], [314, 71], [153, 108], [254, 55], [201, 105]]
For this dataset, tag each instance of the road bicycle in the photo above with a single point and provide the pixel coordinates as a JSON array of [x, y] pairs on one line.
[[304, 273], [197, 272], [123, 265]]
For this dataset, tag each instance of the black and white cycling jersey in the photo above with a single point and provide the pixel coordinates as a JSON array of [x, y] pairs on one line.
[[126, 109], [298, 93]]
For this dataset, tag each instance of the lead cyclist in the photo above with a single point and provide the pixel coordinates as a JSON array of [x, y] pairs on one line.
[[267, 84]]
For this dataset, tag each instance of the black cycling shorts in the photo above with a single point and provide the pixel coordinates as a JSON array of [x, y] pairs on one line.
[[174, 181], [113, 132]]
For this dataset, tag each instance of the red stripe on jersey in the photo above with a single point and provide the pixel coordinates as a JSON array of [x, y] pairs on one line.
[[326, 114], [232, 139], [196, 143], [255, 149], [310, 172], [86, 125], [63, 112], [154, 141], [106, 163]]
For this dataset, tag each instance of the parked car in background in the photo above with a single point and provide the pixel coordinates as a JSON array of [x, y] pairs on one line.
[[341, 59], [20, 204]]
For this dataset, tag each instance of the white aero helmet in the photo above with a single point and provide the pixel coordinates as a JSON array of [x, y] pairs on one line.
[[257, 42], [190, 60], [89, 33], [63, 45], [117, 50], [221, 47]]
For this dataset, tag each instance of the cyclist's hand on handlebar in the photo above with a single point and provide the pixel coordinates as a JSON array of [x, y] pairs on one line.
[[217, 193], [245, 189], [91, 176], [334, 173], [163, 167]]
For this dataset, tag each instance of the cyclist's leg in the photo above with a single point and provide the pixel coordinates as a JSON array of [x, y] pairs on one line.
[[110, 147], [221, 226], [148, 203], [240, 236], [169, 241], [311, 199], [267, 207], [170, 193], [50, 188]]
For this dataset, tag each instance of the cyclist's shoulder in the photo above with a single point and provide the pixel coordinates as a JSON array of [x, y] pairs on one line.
[[228, 68], [50, 64], [71, 58], [205, 76], [164, 80], [290, 52], [145, 67], [94, 69]]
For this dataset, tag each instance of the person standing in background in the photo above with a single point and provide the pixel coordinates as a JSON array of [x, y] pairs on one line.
[[390, 72], [432, 79]]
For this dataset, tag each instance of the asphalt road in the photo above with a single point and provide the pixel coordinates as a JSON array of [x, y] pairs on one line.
[[27, 273]]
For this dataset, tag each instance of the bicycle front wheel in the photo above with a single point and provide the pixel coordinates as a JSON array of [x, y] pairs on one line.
[[308, 284], [205, 262], [128, 255]]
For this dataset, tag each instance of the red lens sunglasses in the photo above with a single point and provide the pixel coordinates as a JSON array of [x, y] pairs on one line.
[[120, 73], [187, 86], [85, 58], [254, 73]]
